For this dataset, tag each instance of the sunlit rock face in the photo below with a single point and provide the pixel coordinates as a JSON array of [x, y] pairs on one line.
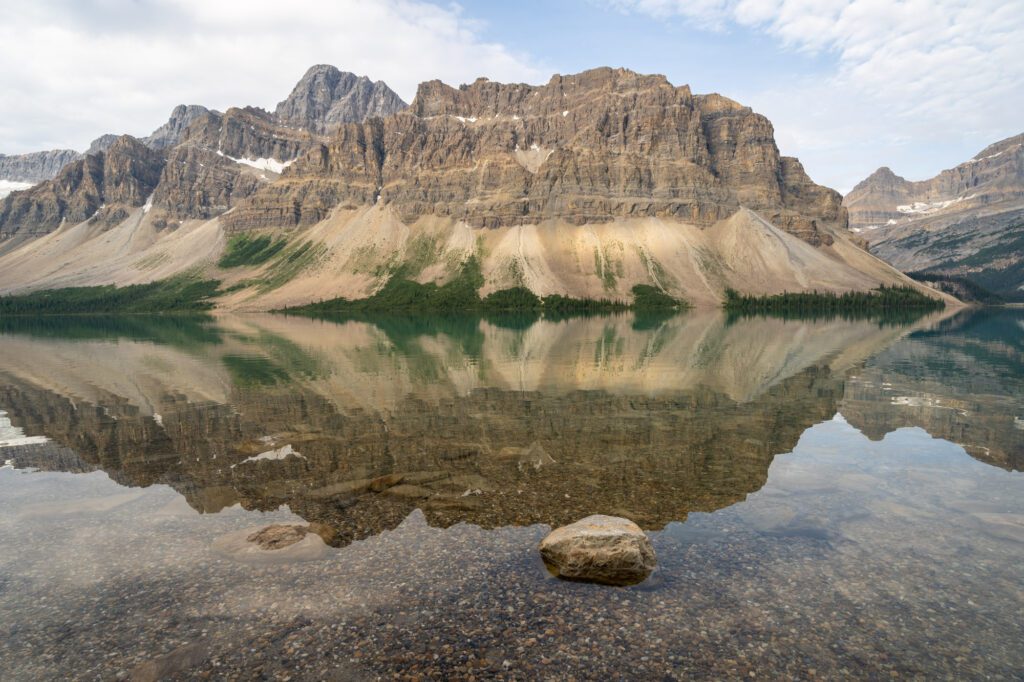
[[584, 148]]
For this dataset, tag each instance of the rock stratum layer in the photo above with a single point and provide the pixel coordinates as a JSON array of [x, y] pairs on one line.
[[967, 221], [585, 186], [588, 148]]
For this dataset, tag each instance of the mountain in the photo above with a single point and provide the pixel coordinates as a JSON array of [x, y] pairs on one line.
[[326, 97], [967, 221], [585, 186], [102, 186], [21, 171]]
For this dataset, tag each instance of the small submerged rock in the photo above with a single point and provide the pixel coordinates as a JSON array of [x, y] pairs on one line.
[[600, 549], [277, 543], [277, 536]]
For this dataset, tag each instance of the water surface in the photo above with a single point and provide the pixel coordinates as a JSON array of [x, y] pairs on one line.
[[826, 498]]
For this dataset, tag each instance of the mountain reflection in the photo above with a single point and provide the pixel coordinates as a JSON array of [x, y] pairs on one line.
[[488, 422]]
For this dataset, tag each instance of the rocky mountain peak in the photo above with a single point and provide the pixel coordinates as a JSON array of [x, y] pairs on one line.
[[995, 175], [487, 98], [172, 132], [327, 97], [101, 143]]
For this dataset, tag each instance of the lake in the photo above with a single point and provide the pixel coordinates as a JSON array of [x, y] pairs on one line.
[[827, 498]]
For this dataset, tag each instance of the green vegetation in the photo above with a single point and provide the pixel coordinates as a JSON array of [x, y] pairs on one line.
[[254, 370], [244, 249], [883, 300], [187, 331], [961, 287], [183, 293], [288, 264], [646, 297], [514, 300], [460, 295]]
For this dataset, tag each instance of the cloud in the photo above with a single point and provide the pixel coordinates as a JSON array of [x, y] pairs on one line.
[[927, 71], [71, 70]]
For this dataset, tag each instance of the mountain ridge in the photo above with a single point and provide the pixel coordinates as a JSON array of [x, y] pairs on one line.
[[584, 186], [967, 221]]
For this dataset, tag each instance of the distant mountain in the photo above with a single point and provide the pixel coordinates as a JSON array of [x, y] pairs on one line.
[[325, 98], [967, 221], [35, 166], [585, 186]]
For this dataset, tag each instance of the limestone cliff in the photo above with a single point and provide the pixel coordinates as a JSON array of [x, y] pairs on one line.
[[583, 149]]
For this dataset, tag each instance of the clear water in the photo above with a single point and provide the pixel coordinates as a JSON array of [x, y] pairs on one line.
[[826, 498]]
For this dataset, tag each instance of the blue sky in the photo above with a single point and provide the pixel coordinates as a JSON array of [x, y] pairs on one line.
[[850, 85]]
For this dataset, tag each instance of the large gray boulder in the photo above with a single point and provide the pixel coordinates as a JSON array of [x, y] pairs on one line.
[[600, 549]]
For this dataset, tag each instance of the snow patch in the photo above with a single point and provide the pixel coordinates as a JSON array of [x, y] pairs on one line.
[[565, 113], [992, 156], [281, 453], [272, 165], [148, 205], [920, 207], [466, 119], [12, 436]]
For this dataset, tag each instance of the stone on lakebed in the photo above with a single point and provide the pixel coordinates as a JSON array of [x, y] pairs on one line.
[[600, 549]]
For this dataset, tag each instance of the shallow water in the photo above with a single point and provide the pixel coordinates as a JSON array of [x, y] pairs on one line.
[[826, 498]]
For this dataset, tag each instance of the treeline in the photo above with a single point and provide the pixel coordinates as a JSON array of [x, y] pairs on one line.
[[880, 300], [187, 330], [963, 288], [244, 249], [460, 295], [177, 294]]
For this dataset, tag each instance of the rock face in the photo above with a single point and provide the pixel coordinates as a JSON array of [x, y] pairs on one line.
[[325, 98], [246, 133], [600, 549], [586, 186], [100, 186], [172, 132], [588, 148], [101, 143], [967, 221], [253, 146], [198, 183], [36, 166]]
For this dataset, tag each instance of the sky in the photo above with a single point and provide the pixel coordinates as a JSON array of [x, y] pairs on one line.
[[849, 85]]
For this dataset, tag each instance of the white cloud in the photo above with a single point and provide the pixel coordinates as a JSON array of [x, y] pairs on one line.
[[71, 70], [927, 71]]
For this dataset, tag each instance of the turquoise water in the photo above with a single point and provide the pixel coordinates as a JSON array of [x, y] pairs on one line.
[[826, 498]]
